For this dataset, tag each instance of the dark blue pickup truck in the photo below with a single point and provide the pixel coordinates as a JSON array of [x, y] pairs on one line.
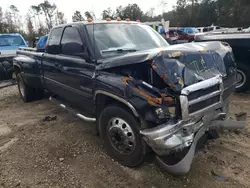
[[144, 95]]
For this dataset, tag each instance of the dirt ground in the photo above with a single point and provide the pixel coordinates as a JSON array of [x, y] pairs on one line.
[[66, 152]]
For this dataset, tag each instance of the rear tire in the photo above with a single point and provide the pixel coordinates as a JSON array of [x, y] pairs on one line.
[[26, 92], [120, 134], [243, 79]]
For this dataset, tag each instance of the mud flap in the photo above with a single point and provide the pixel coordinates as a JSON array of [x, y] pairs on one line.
[[184, 165]]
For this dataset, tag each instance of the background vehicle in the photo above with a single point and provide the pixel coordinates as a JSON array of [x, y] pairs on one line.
[[9, 43], [144, 94], [209, 29], [182, 36], [189, 30], [173, 36], [240, 43], [41, 44]]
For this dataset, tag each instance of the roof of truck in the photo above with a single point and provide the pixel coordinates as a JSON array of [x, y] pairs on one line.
[[100, 22]]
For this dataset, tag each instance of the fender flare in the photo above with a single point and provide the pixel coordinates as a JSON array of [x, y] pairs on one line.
[[17, 65], [120, 99]]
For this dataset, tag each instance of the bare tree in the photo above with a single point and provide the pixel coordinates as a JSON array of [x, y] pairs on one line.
[[10, 23], [163, 5], [14, 11], [150, 13], [2, 24], [88, 15], [49, 11], [31, 32], [36, 11], [77, 17], [108, 13], [60, 18]]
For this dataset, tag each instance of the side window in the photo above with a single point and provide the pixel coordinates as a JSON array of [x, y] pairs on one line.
[[210, 29], [205, 30], [71, 43], [53, 46]]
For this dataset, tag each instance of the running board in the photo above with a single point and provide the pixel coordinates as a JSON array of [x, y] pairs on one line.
[[73, 111]]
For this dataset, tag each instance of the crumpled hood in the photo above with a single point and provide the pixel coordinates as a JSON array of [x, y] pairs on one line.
[[182, 65]]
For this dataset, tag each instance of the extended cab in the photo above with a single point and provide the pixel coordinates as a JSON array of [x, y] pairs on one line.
[[143, 94]]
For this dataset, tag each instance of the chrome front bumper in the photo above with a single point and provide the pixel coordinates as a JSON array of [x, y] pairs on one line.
[[202, 109]]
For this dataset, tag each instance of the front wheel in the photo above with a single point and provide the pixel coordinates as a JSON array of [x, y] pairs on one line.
[[120, 134]]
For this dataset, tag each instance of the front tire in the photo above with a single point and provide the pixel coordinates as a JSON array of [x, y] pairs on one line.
[[120, 134], [26, 92]]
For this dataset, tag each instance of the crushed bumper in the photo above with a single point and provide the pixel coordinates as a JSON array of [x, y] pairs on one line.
[[164, 144], [197, 118]]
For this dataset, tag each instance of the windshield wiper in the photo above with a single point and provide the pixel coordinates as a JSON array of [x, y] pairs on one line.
[[119, 50]]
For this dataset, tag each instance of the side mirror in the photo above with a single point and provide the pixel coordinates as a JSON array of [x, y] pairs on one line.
[[75, 49]]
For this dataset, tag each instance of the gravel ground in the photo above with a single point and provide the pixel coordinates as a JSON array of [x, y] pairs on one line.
[[66, 152]]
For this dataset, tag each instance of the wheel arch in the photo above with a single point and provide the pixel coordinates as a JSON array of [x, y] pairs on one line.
[[17, 68], [104, 98]]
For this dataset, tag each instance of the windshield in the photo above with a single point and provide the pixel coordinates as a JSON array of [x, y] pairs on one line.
[[11, 40], [112, 39]]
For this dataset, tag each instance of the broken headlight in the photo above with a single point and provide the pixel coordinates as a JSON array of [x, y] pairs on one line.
[[165, 112], [160, 114]]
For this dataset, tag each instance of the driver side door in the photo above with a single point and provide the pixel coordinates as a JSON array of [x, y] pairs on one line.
[[76, 71]]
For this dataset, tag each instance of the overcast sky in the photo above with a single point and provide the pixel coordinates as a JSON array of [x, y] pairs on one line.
[[69, 6]]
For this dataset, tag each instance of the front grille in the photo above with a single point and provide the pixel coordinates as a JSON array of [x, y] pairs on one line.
[[202, 92], [203, 104], [201, 97]]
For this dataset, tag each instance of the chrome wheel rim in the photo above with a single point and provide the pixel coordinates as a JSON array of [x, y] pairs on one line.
[[121, 136], [241, 78]]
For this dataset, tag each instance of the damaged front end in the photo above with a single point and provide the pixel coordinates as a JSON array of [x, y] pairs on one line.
[[185, 94], [199, 115]]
